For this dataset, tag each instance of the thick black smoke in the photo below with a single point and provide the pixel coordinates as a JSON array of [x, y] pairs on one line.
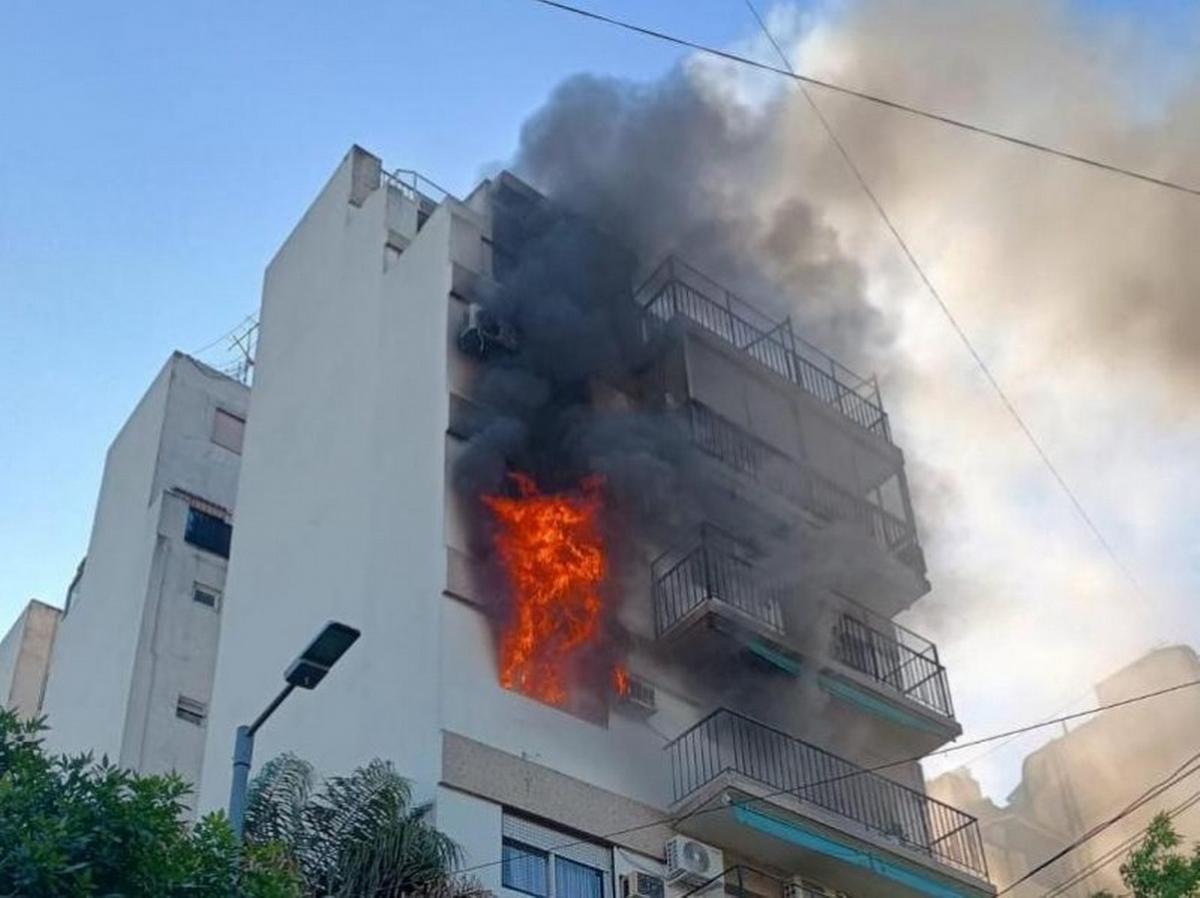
[[630, 174]]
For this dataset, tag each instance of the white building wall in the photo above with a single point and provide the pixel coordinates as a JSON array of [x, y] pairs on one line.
[[94, 655], [25, 658], [134, 640], [340, 515]]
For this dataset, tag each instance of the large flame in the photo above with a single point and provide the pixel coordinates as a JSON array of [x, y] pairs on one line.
[[553, 554]]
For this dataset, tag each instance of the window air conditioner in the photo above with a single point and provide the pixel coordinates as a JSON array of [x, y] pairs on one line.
[[484, 334], [642, 885]]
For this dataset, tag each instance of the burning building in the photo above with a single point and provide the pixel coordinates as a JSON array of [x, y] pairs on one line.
[[625, 552]]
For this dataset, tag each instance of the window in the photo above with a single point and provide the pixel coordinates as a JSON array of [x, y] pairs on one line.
[[550, 863], [191, 710], [228, 430], [207, 531], [206, 595], [574, 880], [524, 868]]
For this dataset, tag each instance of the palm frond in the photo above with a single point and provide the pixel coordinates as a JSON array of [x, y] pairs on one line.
[[276, 801]]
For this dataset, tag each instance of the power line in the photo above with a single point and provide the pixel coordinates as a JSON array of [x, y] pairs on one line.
[[1176, 776], [1113, 853], [872, 98], [983, 366], [674, 822]]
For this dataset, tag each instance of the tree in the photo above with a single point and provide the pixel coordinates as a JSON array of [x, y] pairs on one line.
[[357, 835], [73, 827], [1155, 870]]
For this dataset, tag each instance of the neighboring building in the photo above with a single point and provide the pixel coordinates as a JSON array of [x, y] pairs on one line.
[[132, 666], [1089, 774], [25, 658], [349, 509]]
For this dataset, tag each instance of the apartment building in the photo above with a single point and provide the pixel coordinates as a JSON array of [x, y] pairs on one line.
[[131, 670], [1090, 773], [25, 658], [749, 686]]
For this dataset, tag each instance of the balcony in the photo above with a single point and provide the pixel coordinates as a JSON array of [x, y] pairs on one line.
[[715, 580], [784, 801], [782, 475], [676, 290]]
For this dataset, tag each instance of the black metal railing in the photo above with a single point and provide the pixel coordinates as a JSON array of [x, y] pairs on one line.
[[886, 654], [715, 569], [675, 289], [727, 742], [780, 474]]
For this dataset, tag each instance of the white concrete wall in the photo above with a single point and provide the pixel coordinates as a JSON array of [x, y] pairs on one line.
[[94, 654], [134, 639], [25, 658], [340, 512]]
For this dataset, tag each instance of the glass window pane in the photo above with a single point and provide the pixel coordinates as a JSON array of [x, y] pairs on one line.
[[572, 880], [524, 868]]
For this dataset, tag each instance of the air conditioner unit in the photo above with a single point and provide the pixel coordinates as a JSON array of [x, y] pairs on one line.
[[642, 885], [806, 888], [483, 333], [693, 863], [638, 697]]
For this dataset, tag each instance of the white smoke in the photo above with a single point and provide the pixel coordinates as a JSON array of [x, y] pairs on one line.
[[1081, 288]]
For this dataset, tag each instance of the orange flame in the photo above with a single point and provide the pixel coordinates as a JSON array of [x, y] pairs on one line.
[[620, 681], [553, 554]]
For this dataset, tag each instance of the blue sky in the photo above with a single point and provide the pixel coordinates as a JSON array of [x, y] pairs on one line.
[[153, 156]]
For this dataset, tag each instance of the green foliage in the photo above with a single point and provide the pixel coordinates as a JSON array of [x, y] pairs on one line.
[[1155, 870], [73, 827], [355, 835]]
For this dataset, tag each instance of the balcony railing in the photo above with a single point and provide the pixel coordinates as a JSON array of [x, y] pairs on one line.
[[727, 742], [717, 569], [893, 660], [785, 476], [675, 289], [714, 570]]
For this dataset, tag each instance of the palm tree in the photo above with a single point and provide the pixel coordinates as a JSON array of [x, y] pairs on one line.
[[357, 835]]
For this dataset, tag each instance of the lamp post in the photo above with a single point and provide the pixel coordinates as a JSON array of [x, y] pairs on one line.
[[306, 672]]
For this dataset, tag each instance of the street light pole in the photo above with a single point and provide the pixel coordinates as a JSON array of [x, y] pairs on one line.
[[243, 754], [306, 672]]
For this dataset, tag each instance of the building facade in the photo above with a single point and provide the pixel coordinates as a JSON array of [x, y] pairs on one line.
[[1089, 774], [132, 666], [755, 675], [25, 658]]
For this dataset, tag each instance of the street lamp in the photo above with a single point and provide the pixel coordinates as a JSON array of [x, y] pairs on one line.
[[306, 672]]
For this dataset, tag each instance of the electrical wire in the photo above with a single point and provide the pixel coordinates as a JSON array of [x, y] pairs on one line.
[[1186, 769], [980, 362], [872, 98], [1113, 853], [674, 822]]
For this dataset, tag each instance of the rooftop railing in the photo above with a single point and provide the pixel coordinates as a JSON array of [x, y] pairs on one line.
[[675, 289], [817, 494], [716, 568], [727, 742]]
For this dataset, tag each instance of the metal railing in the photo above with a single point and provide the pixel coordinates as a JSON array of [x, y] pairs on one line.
[[890, 660], [411, 183], [727, 742], [675, 289], [715, 569], [817, 494]]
